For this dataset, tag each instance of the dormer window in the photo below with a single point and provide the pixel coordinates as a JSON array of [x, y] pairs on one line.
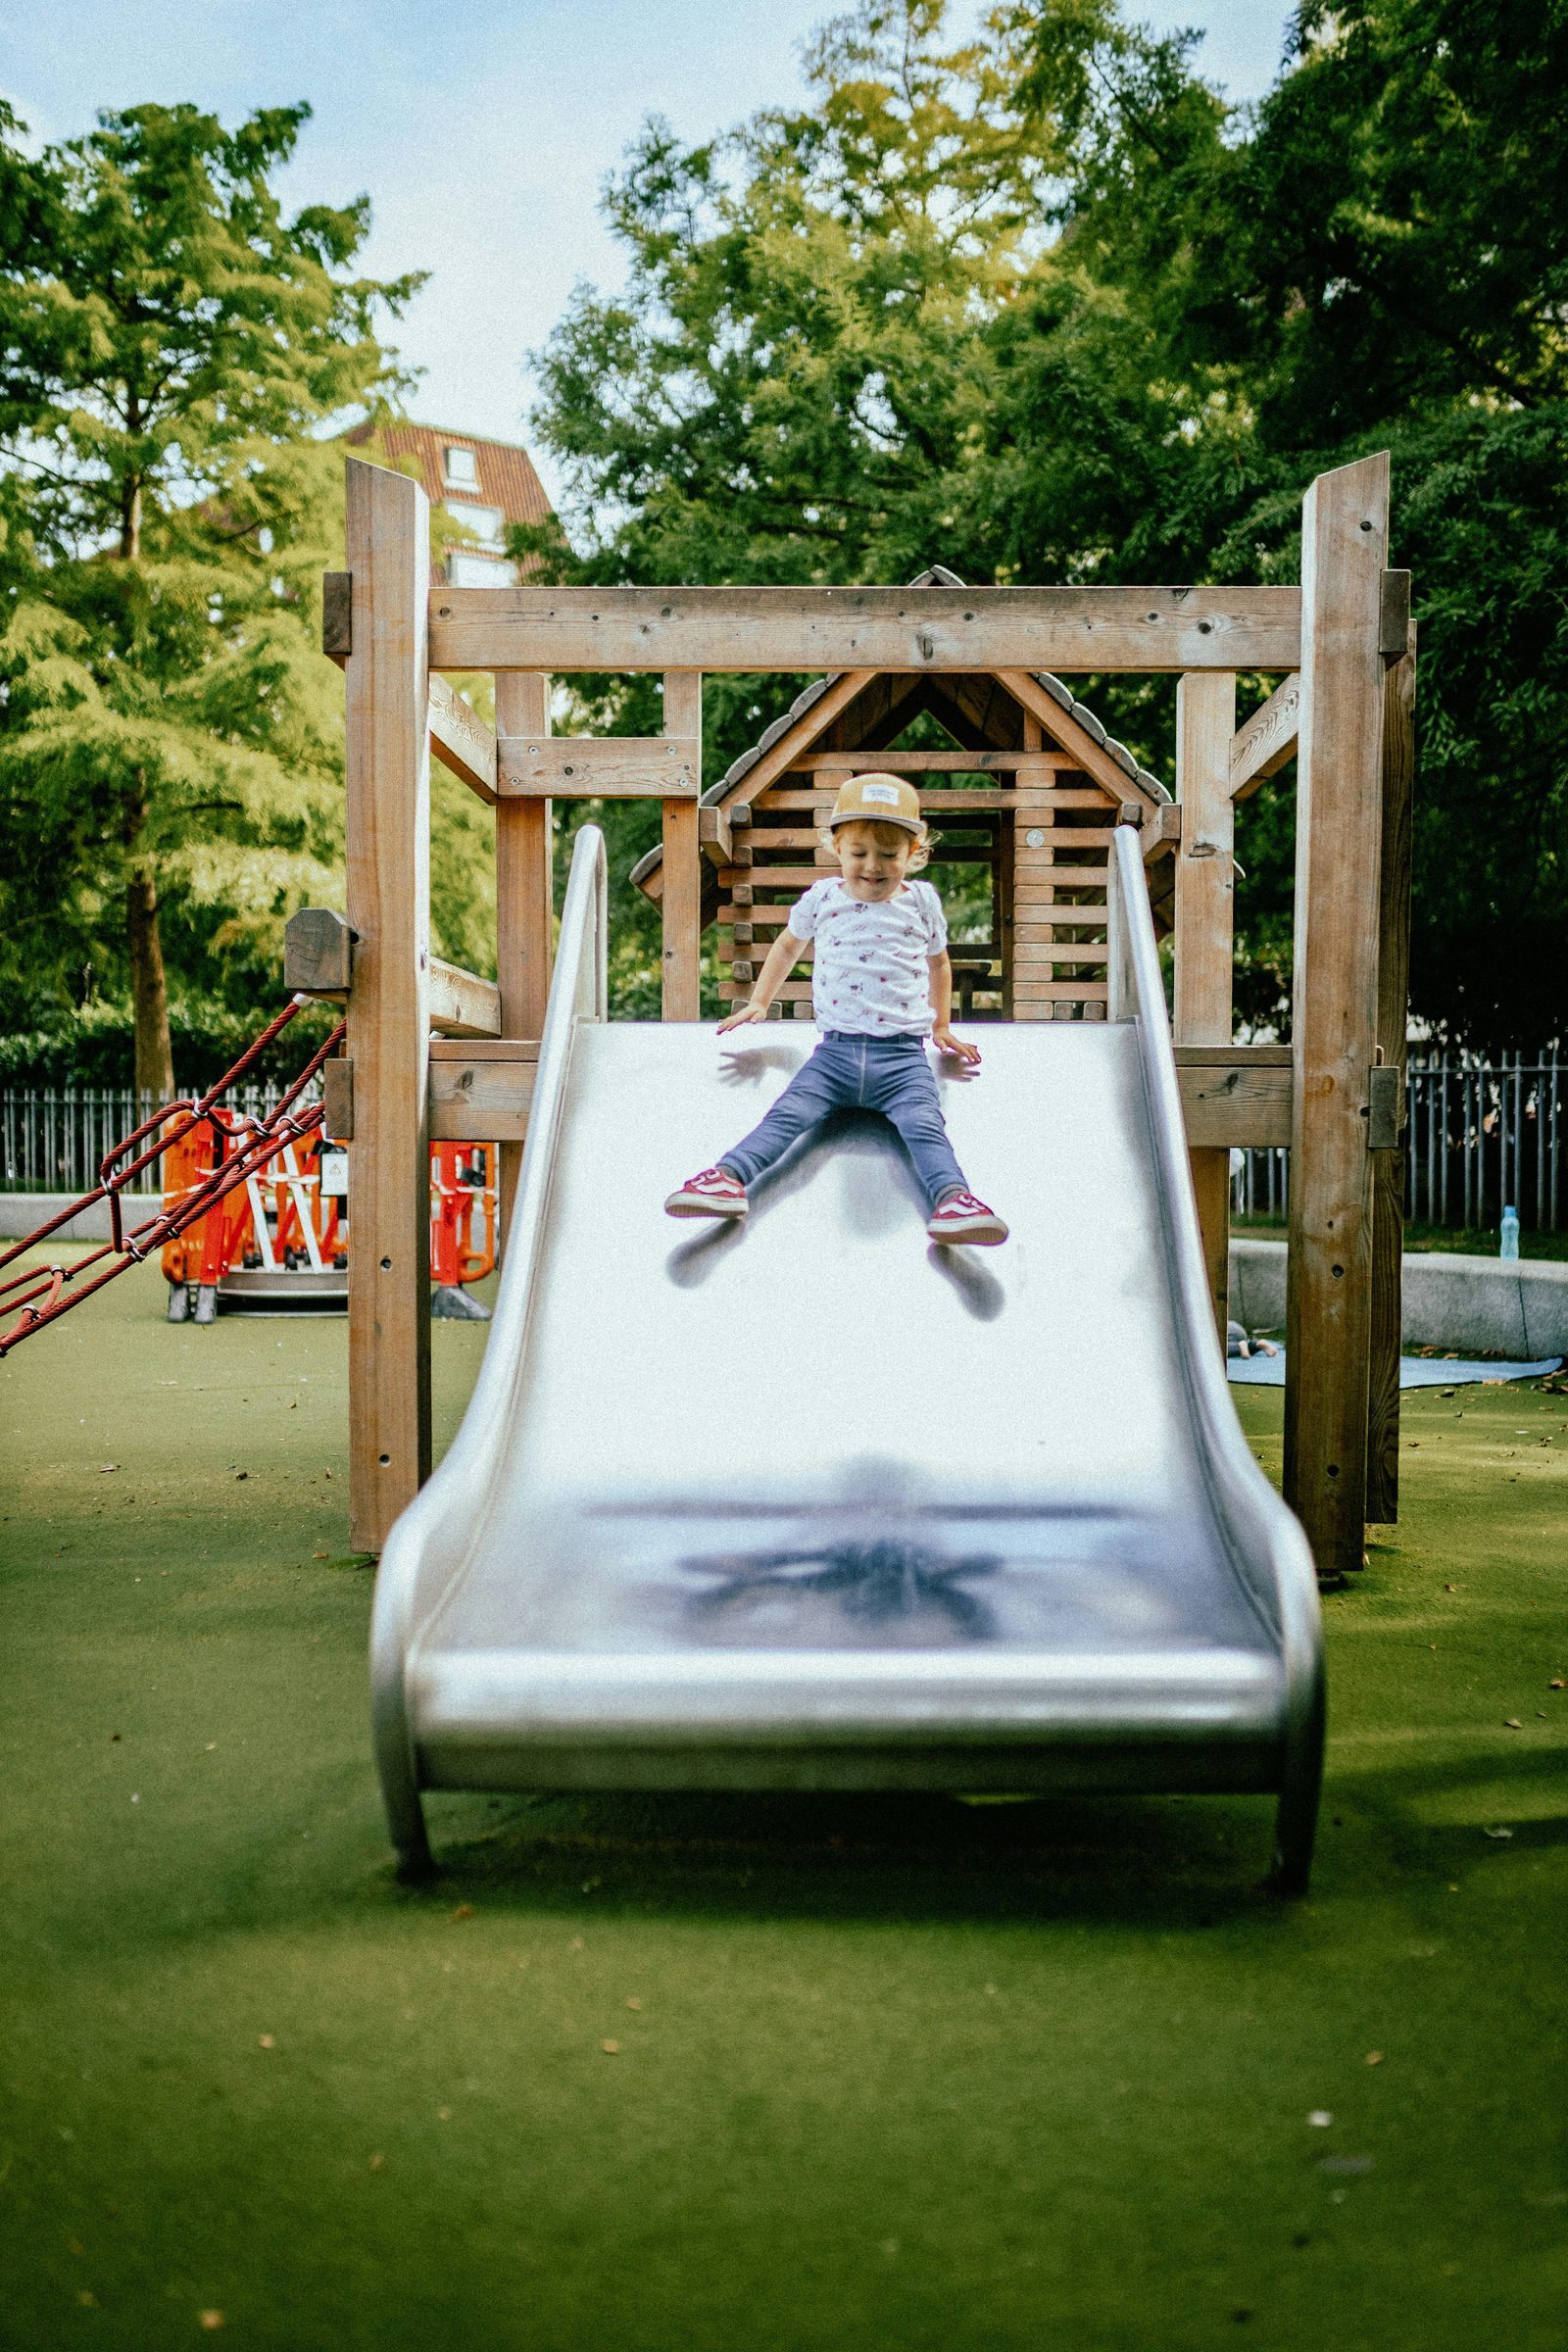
[[462, 470]]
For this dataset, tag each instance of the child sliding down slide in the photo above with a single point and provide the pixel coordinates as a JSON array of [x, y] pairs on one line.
[[883, 985]]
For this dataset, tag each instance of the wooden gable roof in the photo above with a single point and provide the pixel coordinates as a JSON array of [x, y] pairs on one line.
[[866, 710]]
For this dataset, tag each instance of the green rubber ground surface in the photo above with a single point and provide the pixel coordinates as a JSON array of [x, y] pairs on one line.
[[724, 2076]]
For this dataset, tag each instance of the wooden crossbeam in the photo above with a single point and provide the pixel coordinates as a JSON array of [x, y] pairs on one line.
[[461, 740], [479, 1094], [621, 768], [1235, 1097], [928, 763], [919, 630], [1268, 739], [462, 1004]]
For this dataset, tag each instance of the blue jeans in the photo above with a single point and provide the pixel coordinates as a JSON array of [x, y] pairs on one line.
[[847, 1072]]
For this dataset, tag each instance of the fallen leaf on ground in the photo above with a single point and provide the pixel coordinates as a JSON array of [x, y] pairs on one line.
[[210, 2320], [612, 2049], [266, 2041], [1511, 1723], [443, 2115], [634, 2002], [378, 2164], [1556, 1682], [105, 1467], [463, 1911], [1374, 2057]]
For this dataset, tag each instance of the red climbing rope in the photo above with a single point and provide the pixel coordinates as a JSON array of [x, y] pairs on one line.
[[48, 1296]]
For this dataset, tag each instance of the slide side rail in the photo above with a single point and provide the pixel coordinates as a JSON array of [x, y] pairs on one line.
[[1268, 1548], [430, 1542]]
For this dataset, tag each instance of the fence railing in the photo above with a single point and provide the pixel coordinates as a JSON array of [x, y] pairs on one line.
[[1481, 1136], [52, 1140]]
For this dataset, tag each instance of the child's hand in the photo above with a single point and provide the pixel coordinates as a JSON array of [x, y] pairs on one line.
[[741, 1015], [946, 1043]]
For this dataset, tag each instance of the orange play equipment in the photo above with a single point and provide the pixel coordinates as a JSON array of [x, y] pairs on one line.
[[281, 1238]]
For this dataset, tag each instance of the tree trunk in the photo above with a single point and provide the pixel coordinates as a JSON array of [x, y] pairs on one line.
[[149, 994]]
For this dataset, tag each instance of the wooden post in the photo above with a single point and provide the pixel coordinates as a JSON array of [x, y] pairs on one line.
[[1389, 1167], [1339, 842], [388, 844], [682, 899], [524, 897], [1205, 922]]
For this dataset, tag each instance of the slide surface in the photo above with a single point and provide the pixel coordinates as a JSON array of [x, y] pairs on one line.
[[809, 1501]]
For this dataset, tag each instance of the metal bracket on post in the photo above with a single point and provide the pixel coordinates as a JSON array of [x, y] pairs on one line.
[[1384, 1105]]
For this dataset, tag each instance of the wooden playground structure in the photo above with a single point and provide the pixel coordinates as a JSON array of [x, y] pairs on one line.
[[436, 1053]]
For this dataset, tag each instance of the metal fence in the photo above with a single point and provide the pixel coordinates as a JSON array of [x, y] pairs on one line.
[[55, 1139], [1481, 1136]]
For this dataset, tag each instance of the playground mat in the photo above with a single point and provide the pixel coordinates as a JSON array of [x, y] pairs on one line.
[[684, 2075]]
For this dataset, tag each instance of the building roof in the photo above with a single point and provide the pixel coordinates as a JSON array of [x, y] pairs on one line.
[[505, 471]]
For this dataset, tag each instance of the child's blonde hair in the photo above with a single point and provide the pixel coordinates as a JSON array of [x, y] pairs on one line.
[[886, 837]]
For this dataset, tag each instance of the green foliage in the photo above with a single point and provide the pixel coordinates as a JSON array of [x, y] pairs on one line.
[[170, 348], [1042, 307]]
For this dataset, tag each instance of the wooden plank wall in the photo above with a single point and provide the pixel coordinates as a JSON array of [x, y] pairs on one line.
[[1205, 903], [1020, 971], [389, 870], [1335, 1010]]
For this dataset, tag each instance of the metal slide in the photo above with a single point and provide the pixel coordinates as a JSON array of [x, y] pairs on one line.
[[812, 1505]]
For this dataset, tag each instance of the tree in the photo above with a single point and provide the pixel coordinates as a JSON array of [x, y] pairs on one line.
[[1044, 305], [170, 348]]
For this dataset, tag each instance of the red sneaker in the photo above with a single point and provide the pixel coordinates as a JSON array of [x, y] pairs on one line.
[[715, 1192], [960, 1217]]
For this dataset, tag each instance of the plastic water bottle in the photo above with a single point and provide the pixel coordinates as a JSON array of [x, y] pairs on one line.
[[1509, 1233]]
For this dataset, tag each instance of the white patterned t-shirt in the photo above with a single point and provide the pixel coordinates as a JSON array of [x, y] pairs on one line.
[[872, 971]]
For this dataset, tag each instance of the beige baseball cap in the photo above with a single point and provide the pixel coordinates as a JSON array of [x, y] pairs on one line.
[[881, 800]]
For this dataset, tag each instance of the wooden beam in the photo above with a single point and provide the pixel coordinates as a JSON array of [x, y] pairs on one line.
[[524, 902], [1263, 745], [479, 1094], [1162, 835], [1339, 847], [387, 823], [462, 1004], [626, 768], [461, 742], [1389, 1165], [1205, 887], [933, 763], [681, 899], [1234, 1098], [913, 629]]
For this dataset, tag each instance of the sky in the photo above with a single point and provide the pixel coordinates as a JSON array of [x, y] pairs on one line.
[[483, 134]]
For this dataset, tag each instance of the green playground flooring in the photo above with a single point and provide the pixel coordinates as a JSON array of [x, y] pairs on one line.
[[727, 2075]]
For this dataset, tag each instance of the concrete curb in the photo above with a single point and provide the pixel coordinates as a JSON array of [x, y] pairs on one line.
[[19, 1212], [1484, 1305]]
